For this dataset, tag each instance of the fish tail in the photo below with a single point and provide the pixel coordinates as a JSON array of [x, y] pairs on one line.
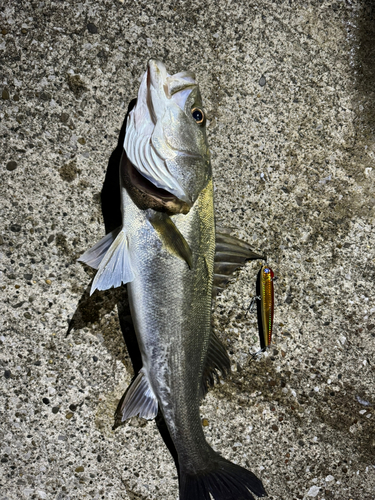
[[223, 480]]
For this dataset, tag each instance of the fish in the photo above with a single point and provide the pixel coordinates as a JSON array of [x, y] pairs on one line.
[[173, 260]]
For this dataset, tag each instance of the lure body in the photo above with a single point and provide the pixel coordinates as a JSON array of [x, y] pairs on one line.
[[265, 305]]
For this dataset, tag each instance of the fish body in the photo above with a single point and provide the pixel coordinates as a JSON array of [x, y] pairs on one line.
[[170, 306], [165, 252]]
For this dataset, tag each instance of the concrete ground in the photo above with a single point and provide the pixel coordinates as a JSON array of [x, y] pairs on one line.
[[289, 93]]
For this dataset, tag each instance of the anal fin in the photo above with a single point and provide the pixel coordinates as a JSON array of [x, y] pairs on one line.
[[217, 359], [139, 400]]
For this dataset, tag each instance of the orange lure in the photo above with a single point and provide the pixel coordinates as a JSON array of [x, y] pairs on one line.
[[265, 305]]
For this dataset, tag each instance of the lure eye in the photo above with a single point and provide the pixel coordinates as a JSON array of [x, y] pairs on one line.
[[266, 270], [198, 115]]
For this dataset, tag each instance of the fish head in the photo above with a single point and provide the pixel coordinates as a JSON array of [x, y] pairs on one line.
[[165, 138]]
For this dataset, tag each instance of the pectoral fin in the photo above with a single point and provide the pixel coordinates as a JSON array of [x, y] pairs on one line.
[[112, 257], [231, 253], [171, 237], [139, 399], [217, 359]]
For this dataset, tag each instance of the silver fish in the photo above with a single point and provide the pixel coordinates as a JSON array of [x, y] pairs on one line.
[[165, 252]]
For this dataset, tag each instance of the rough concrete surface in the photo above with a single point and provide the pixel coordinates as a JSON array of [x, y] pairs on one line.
[[289, 91]]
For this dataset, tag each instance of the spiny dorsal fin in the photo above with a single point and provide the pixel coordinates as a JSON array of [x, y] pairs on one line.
[[171, 237], [230, 254], [139, 399], [228, 243], [217, 359]]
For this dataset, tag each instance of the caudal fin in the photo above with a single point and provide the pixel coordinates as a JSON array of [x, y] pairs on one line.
[[223, 480]]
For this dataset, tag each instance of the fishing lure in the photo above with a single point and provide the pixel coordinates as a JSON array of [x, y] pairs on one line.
[[265, 305]]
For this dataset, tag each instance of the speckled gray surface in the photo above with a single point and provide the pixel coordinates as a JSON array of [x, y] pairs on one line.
[[289, 93]]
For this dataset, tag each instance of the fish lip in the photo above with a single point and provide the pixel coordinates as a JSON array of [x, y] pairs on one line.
[[158, 77], [155, 67], [159, 198]]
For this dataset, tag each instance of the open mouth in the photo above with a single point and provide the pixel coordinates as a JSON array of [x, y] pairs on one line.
[[145, 194]]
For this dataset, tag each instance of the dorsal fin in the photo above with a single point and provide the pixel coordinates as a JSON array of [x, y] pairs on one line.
[[231, 253], [217, 359]]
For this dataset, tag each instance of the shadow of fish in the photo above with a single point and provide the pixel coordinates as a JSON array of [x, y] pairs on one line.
[[165, 251]]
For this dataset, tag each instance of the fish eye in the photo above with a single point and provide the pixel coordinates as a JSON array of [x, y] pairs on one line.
[[198, 115]]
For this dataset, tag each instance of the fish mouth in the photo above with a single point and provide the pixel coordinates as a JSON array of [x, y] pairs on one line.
[[150, 141], [145, 194], [176, 87]]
